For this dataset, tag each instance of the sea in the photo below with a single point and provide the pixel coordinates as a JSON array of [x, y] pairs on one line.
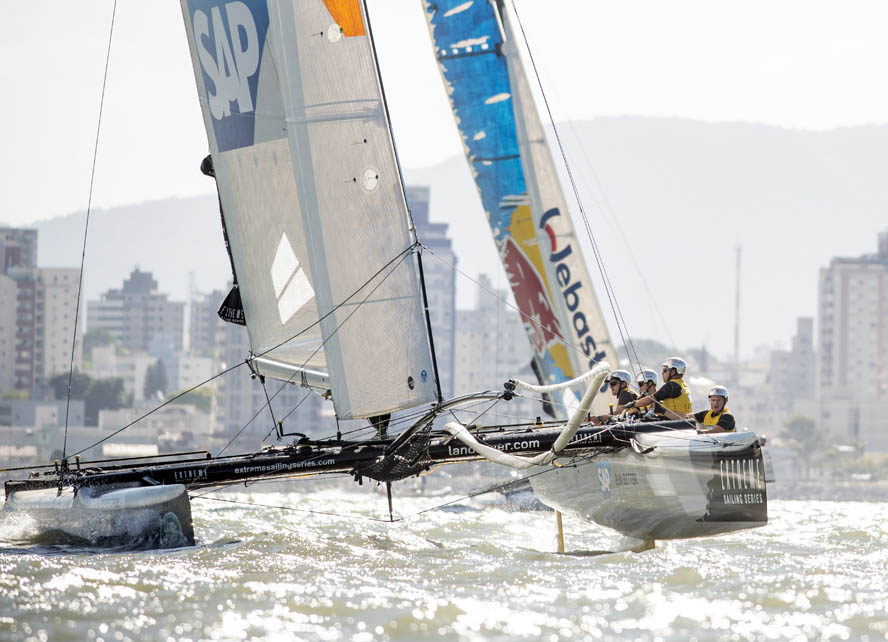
[[321, 561]]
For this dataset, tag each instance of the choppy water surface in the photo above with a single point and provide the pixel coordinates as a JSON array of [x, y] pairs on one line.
[[469, 571]]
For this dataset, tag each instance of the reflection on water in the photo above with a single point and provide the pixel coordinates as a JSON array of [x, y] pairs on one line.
[[817, 571]]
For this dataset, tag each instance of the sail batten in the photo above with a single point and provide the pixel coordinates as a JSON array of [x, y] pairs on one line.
[[312, 195]]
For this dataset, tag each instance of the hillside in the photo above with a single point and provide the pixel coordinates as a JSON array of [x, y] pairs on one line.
[[683, 193]]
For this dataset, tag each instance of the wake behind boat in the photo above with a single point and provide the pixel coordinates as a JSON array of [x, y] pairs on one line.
[[328, 279]]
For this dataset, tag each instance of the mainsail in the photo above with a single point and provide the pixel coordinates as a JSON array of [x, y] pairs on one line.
[[513, 169], [312, 197]]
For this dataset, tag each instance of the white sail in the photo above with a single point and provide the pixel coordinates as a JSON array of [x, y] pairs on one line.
[[312, 195]]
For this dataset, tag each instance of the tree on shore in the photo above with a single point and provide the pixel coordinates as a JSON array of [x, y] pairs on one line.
[[155, 380], [97, 394], [80, 385], [105, 394], [808, 441]]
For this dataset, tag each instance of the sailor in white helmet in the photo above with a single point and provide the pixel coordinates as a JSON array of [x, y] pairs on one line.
[[718, 418], [618, 381], [647, 385], [673, 399]]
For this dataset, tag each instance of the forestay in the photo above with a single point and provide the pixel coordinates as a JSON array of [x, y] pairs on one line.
[[312, 195], [515, 175]]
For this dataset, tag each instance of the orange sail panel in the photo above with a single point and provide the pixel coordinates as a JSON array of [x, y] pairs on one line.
[[347, 14]]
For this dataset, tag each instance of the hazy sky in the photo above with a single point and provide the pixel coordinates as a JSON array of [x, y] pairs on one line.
[[793, 63]]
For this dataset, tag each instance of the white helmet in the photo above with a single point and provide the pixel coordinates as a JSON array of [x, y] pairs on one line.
[[646, 375], [675, 362], [620, 375], [719, 391]]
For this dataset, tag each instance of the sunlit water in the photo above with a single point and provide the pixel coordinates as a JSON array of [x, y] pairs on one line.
[[468, 571]]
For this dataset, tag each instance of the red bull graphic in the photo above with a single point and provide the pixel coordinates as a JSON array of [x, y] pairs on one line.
[[531, 297]]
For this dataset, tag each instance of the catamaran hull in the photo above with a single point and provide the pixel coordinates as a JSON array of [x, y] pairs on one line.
[[148, 517], [666, 485]]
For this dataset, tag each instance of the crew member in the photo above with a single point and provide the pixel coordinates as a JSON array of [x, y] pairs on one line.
[[618, 381], [718, 418], [647, 382], [673, 399], [647, 385]]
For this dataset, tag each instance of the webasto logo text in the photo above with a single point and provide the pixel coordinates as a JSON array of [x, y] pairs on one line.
[[571, 291]]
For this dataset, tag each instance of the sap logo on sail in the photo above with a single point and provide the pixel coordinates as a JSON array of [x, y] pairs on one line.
[[570, 290], [291, 286], [229, 38]]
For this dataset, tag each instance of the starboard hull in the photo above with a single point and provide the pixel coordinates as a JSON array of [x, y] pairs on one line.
[[669, 485], [137, 517]]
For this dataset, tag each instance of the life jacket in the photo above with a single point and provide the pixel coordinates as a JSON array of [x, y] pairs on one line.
[[682, 403], [712, 420]]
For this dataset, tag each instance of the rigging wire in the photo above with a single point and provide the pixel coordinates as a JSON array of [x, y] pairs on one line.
[[284, 418], [155, 409], [606, 203], [268, 399], [227, 370], [92, 177], [608, 286]]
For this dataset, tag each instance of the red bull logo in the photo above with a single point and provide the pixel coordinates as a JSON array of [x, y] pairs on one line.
[[531, 297]]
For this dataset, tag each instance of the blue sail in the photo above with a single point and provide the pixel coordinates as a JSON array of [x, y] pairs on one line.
[[516, 178]]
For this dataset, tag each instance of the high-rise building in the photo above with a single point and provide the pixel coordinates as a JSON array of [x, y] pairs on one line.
[[852, 404], [205, 324], [439, 269], [793, 373], [55, 316], [18, 259], [7, 333], [853, 325], [491, 348], [43, 313], [138, 316], [18, 250]]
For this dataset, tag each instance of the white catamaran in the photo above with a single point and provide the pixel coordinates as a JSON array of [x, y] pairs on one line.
[[329, 282]]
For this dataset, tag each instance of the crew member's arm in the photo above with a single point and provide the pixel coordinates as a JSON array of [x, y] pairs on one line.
[[672, 414], [699, 417], [624, 400], [668, 390]]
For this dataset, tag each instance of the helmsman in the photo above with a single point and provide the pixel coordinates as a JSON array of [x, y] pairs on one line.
[[718, 418]]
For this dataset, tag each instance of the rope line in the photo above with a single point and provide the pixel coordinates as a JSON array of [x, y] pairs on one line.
[[608, 286], [92, 177]]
